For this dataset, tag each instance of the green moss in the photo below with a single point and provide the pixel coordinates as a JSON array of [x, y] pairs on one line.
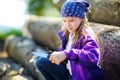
[[42, 8], [15, 32]]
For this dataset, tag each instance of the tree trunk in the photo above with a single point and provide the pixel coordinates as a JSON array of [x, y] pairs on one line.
[[105, 11]]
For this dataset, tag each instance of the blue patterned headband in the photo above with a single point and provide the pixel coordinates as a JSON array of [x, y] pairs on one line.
[[75, 8]]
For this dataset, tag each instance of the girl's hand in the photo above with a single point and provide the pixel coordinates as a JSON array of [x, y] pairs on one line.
[[57, 57]]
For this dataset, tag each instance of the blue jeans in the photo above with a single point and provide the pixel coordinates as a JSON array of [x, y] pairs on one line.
[[52, 71]]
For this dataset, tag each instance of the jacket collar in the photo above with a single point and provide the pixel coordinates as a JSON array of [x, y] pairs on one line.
[[63, 39], [61, 35]]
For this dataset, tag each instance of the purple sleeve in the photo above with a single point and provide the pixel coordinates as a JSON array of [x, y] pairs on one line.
[[89, 52], [60, 48]]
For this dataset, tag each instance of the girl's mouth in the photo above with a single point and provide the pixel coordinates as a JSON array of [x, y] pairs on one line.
[[70, 28]]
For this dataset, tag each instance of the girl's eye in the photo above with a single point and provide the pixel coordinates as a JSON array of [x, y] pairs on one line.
[[68, 21], [64, 21], [71, 21]]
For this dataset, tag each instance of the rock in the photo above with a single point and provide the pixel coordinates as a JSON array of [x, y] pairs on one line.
[[19, 77], [11, 69], [105, 11], [59, 4], [10, 74], [19, 49], [108, 36], [3, 69], [110, 53], [41, 30]]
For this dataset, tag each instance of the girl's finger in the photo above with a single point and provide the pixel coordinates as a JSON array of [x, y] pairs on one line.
[[56, 61], [50, 58], [53, 61]]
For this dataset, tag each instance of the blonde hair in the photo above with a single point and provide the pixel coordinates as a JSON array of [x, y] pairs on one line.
[[80, 31]]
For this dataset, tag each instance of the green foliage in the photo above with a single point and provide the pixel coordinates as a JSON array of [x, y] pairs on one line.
[[42, 8], [15, 32]]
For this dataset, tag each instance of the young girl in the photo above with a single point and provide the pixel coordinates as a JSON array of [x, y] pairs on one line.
[[79, 52]]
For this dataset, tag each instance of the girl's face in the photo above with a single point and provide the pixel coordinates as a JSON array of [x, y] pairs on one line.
[[71, 23]]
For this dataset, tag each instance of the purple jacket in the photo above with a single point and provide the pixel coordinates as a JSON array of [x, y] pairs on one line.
[[83, 57]]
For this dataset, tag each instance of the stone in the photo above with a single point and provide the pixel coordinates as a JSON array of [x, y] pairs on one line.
[[20, 49]]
